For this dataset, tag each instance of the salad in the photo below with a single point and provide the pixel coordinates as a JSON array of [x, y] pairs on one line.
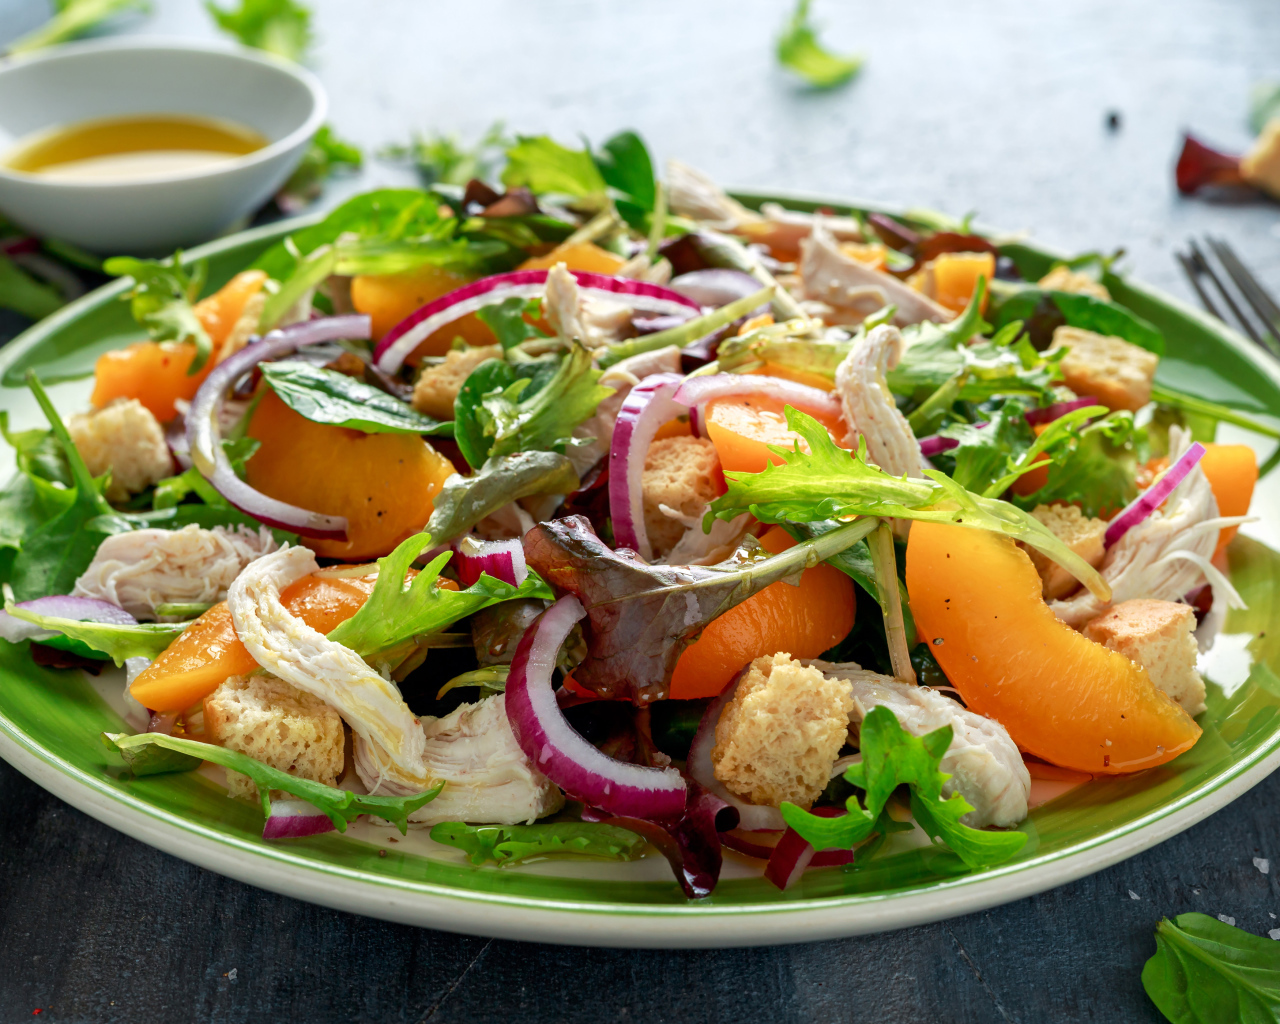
[[587, 513]]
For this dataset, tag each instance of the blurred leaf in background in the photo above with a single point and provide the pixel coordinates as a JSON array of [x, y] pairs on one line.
[[282, 27], [800, 51], [327, 156], [446, 160], [73, 18], [1264, 104], [22, 293]]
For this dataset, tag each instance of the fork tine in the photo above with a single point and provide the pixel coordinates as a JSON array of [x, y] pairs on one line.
[[1244, 321], [1190, 268], [1251, 289]]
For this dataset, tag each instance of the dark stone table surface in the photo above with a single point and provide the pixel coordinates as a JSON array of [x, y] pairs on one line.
[[1000, 108]]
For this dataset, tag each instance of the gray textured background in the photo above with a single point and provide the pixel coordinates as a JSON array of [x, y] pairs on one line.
[[997, 107]]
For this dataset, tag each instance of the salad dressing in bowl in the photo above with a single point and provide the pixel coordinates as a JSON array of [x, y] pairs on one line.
[[140, 148]]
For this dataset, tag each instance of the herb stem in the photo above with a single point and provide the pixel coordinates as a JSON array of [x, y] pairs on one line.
[[895, 631], [658, 227], [688, 331]]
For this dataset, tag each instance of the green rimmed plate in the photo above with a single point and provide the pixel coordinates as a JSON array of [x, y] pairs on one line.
[[50, 723]]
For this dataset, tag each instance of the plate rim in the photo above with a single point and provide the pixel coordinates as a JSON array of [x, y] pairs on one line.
[[602, 923]]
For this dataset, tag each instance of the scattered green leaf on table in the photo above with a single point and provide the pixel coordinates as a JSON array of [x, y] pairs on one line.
[[282, 27], [516, 844], [326, 396], [73, 18], [161, 300], [800, 51], [326, 156]]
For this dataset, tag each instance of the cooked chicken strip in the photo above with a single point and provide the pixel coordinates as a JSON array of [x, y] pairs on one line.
[[983, 761], [697, 196], [572, 315], [869, 408], [854, 290], [1166, 556]]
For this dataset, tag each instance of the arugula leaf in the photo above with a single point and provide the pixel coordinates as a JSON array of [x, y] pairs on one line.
[[74, 18], [1205, 971], [341, 805], [800, 51], [465, 500], [517, 844], [56, 552], [826, 483], [282, 27], [892, 757], [161, 300], [396, 613], [445, 159], [541, 164], [23, 294], [119, 643], [326, 396], [1024, 302], [325, 157], [510, 320]]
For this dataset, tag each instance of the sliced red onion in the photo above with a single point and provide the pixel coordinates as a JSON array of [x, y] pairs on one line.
[[293, 819], [716, 287], [648, 406], [936, 444], [410, 332], [794, 854], [204, 438], [558, 750], [696, 392], [1154, 496], [501, 559], [763, 851], [77, 609], [751, 817], [1058, 410]]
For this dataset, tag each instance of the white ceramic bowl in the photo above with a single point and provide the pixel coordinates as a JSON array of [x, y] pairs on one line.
[[122, 77]]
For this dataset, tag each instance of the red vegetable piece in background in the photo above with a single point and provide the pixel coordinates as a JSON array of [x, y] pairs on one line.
[[892, 233], [517, 202], [952, 241], [1200, 166]]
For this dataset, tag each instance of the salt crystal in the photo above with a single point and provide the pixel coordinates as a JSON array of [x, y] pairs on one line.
[[1274, 934], [1227, 920], [1262, 864], [1133, 895], [231, 974]]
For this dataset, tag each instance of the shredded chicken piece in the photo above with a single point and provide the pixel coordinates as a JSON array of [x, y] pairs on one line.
[[854, 290], [697, 196], [395, 752], [698, 548], [639, 268], [143, 569], [594, 322], [1166, 556], [983, 761], [868, 404]]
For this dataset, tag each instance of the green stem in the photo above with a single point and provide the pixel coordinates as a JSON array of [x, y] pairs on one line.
[[658, 228], [895, 630], [688, 331], [1166, 395]]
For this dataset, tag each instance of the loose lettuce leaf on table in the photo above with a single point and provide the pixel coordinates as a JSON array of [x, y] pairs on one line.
[[800, 51], [161, 300], [517, 844], [892, 757], [465, 500], [282, 27], [326, 396]]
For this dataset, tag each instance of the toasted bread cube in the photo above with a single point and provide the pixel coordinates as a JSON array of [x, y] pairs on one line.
[[1082, 534], [280, 725], [127, 439], [682, 473], [779, 736], [436, 389], [1261, 165], [1112, 370], [1063, 279], [1159, 636]]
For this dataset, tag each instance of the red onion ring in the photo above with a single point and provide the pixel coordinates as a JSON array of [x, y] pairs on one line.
[[204, 438], [1154, 496], [558, 750], [696, 392], [936, 444], [794, 854], [402, 339], [293, 819], [648, 406], [501, 559], [716, 287], [1059, 409], [60, 606]]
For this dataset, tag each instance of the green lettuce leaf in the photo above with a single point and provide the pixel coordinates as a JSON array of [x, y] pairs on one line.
[[627, 168], [161, 300], [282, 27], [827, 483], [541, 164], [474, 429], [800, 51], [37, 453], [544, 421], [396, 613], [72, 19], [340, 805], [119, 643], [892, 757], [1207, 972], [326, 396], [23, 294], [465, 500], [515, 844], [1094, 464]]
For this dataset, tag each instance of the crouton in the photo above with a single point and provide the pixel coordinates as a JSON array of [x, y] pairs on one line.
[[1261, 165], [1159, 636], [1063, 279], [1110, 369], [436, 389], [779, 736], [278, 724], [1082, 534], [682, 474], [127, 439]]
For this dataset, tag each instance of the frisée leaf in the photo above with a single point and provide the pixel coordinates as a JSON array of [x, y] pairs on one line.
[[161, 300]]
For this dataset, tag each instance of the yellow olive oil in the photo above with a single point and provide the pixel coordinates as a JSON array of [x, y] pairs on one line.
[[132, 148]]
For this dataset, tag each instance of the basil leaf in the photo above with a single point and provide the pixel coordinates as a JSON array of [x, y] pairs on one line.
[[326, 396], [515, 844]]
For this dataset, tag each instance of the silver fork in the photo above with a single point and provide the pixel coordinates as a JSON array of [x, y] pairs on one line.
[[1264, 326]]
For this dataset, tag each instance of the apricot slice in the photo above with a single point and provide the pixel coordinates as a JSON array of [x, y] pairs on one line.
[[1067, 700], [579, 256], [389, 298], [743, 426], [1232, 470], [384, 484], [802, 620], [955, 277], [219, 312]]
